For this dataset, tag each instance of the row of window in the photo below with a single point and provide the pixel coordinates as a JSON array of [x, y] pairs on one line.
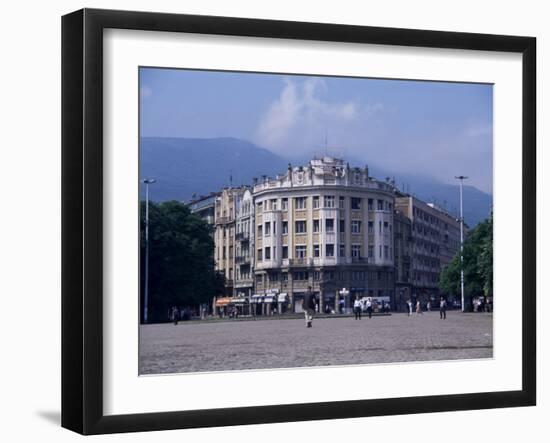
[[300, 251], [377, 276], [328, 201], [300, 227]]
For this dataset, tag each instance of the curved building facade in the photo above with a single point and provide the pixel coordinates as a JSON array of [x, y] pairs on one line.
[[327, 226]]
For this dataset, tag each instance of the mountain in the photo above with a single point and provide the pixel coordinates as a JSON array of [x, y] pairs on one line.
[[187, 166], [477, 205]]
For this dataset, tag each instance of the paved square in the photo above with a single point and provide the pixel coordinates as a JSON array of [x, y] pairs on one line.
[[284, 343]]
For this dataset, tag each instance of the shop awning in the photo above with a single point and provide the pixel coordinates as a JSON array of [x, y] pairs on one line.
[[282, 298], [261, 298], [239, 300]]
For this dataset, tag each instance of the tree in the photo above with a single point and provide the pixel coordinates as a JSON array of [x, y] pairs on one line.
[[485, 261], [181, 262], [478, 264]]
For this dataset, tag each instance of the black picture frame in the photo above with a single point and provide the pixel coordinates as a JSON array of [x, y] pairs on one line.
[[82, 216]]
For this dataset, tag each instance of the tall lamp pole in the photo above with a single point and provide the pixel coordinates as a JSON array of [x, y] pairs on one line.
[[461, 178], [147, 181]]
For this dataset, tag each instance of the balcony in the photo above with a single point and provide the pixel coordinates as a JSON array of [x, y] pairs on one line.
[[300, 262], [223, 220], [242, 236], [241, 259], [244, 283], [360, 260]]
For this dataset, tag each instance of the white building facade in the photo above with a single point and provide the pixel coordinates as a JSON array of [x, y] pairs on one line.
[[326, 226]]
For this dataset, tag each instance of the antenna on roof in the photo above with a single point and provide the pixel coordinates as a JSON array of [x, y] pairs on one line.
[[231, 178]]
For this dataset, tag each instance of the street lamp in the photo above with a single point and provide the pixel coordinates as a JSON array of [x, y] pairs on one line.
[[147, 182], [461, 178], [344, 293]]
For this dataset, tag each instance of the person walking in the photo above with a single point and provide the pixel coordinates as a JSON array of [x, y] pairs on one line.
[[369, 307], [418, 308], [429, 306], [357, 309], [442, 309], [409, 308], [175, 314], [308, 305]]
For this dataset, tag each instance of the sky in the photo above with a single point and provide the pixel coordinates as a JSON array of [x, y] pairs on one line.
[[438, 129]]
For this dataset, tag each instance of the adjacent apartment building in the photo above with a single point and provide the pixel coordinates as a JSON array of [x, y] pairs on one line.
[[435, 239]]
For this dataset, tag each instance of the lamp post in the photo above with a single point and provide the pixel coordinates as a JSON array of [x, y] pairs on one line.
[[147, 182], [344, 293], [461, 178]]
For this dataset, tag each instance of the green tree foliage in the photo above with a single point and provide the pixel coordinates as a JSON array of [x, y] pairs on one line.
[[478, 264], [181, 263]]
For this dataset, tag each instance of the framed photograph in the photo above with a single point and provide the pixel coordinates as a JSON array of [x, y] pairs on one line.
[[269, 221]]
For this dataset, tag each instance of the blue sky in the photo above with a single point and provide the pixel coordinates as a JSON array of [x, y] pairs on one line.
[[437, 129]]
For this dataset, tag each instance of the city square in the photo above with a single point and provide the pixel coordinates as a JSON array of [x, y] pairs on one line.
[[240, 344]]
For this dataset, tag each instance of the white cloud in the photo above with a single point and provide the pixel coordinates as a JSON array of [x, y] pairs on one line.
[[299, 117]]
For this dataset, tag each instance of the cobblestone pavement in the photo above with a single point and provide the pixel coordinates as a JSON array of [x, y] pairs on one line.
[[285, 343]]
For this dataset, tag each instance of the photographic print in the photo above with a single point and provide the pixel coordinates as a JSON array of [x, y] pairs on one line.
[[293, 221]]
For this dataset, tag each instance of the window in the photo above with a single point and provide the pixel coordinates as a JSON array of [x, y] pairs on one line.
[[385, 225], [259, 255], [356, 227], [274, 228], [285, 227], [300, 251], [380, 227], [342, 251], [316, 275], [371, 227], [301, 227], [274, 252], [380, 205], [342, 226], [284, 276], [342, 202], [329, 225], [355, 203], [285, 252], [316, 251], [302, 275], [386, 252], [273, 204], [315, 225], [329, 201], [274, 276], [316, 202], [300, 203], [267, 229], [380, 251], [371, 251], [223, 253], [370, 204], [260, 231], [284, 204], [329, 250], [356, 251]]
